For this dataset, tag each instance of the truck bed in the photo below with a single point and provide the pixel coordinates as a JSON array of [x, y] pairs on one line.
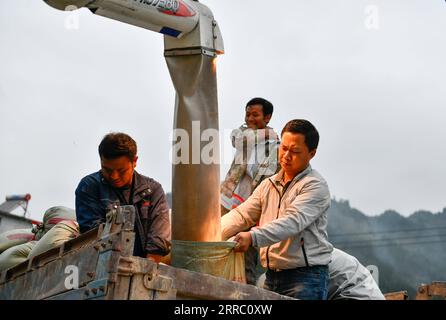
[[99, 265]]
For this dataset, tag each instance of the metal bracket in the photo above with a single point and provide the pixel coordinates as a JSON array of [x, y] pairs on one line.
[[157, 282], [162, 287], [133, 265], [206, 36], [120, 218], [435, 289], [190, 51], [146, 282]]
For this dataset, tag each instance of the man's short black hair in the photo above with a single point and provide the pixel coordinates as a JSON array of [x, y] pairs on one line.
[[306, 128], [267, 107], [117, 144]]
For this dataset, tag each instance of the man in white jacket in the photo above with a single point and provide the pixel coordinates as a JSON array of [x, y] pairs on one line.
[[291, 210], [349, 279]]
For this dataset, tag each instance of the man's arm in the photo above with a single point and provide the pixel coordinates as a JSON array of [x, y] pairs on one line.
[[158, 235], [244, 216], [303, 211], [89, 213]]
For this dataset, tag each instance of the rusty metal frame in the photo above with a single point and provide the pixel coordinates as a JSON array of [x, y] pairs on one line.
[[430, 291], [95, 254], [398, 295], [108, 271]]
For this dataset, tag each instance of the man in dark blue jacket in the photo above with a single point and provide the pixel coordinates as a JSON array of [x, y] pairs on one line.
[[117, 183]]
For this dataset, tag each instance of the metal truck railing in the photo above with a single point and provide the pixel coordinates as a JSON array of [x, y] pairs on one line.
[[99, 265]]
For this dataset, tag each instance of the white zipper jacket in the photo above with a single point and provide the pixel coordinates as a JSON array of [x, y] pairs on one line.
[[349, 279], [287, 221]]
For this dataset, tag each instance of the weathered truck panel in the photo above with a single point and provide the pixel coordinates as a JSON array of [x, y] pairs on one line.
[[99, 265]]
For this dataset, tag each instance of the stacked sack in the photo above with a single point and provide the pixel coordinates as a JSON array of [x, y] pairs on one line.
[[15, 237], [52, 217], [15, 255], [60, 233], [59, 225]]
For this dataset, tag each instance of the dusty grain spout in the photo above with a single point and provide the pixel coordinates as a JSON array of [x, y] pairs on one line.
[[192, 41]]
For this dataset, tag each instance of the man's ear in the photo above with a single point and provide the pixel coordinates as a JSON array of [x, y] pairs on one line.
[[134, 161], [267, 118], [312, 153]]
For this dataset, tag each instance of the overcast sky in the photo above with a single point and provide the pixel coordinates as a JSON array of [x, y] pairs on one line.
[[369, 74]]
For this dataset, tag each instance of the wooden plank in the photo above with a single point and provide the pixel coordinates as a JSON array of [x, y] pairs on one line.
[[437, 289], [195, 285], [152, 281], [399, 295]]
